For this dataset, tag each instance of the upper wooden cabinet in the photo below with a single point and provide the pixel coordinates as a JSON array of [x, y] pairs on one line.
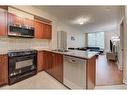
[[38, 29], [13, 19], [3, 22], [42, 30], [47, 31], [28, 22], [3, 69], [40, 59]]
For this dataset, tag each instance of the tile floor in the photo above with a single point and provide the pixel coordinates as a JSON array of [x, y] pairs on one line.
[[44, 81], [40, 81]]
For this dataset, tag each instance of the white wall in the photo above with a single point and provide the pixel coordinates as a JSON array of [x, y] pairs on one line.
[[78, 42], [125, 47], [77, 34]]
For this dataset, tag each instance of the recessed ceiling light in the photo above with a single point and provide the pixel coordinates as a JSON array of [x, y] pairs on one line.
[[81, 20]]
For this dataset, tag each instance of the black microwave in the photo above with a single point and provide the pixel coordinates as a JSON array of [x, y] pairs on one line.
[[20, 31]]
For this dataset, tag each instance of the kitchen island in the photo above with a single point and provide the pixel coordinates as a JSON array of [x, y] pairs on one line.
[[53, 62]]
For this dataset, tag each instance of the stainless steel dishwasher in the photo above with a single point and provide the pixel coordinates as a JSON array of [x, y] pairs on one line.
[[74, 72]]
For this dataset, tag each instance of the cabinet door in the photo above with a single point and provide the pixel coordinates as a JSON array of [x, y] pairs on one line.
[[45, 61], [40, 63], [29, 22], [47, 31], [53, 64], [58, 69], [91, 73], [38, 29], [3, 70], [13, 19], [3, 24], [48, 62]]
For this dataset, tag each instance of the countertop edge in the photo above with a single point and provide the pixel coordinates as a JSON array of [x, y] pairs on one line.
[[62, 53]]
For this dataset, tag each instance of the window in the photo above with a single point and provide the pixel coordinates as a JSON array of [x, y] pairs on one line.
[[96, 39]]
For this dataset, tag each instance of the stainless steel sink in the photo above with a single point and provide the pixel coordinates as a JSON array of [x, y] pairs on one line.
[[61, 50]]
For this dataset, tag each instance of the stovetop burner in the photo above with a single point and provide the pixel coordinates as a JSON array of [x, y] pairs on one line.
[[20, 52]]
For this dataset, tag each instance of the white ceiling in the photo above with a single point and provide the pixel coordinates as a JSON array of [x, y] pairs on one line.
[[102, 18]]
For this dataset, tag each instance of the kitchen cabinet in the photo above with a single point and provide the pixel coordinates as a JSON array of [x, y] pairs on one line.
[[91, 73], [3, 24], [53, 65], [58, 67], [48, 62], [16, 20], [13, 19], [40, 63], [47, 31], [29, 22], [38, 29], [42, 30], [3, 69]]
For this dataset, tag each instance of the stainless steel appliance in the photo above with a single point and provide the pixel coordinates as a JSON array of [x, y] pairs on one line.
[[21, 64], [21, 31], [74, 72]]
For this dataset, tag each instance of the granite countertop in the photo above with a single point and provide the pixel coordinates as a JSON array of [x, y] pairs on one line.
[[77, 53], [3, 51], [74, 53], [82, 54]]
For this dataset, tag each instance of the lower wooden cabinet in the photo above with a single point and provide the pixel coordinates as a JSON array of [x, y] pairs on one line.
[[3, 69], [53, 64], [91, 73], [58, 67], [40, 61], [48, 61]]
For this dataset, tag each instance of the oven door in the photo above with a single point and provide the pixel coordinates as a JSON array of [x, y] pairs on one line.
[[22, 64]]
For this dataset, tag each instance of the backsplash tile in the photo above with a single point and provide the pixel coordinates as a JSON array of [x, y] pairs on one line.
[[10, 43]]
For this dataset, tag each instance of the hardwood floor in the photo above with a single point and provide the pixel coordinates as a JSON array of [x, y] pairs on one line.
[[107, 72]]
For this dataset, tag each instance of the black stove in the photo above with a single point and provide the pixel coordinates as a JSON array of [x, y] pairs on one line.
[[20, 52], [22, 64]]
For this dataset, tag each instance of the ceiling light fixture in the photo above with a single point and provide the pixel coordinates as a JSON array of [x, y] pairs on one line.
[[81, 20]]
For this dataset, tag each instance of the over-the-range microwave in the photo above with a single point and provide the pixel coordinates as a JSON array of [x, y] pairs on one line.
[[20, 31]]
